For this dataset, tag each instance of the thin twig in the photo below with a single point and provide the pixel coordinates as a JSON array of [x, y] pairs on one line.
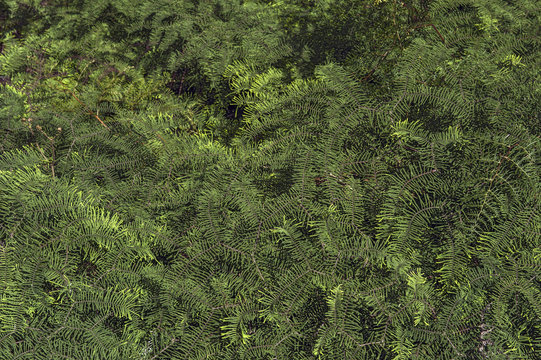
[[90, 111]]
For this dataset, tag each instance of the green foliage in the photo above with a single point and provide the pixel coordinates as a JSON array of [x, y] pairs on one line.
[[327, 179]]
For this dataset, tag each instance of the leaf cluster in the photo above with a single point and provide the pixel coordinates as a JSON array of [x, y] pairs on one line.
[[323, 179]]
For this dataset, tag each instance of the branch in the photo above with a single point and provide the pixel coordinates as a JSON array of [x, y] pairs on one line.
[[82, 103]]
